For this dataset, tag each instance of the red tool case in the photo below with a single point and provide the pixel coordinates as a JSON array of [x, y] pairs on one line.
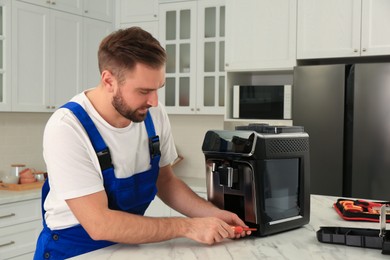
[[360, 210]]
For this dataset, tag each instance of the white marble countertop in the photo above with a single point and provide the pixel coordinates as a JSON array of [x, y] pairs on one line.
[[14, 196], [299, 243]]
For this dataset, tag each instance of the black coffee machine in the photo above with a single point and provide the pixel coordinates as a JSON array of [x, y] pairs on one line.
[[261, 173]]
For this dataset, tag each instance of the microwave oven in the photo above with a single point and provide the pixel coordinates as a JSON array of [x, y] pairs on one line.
[[262, 101]]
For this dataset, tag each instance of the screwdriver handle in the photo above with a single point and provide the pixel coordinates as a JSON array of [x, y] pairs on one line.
[[239, 229]]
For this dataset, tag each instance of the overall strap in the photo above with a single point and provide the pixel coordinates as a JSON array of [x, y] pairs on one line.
[[97, 141], [154, 140]]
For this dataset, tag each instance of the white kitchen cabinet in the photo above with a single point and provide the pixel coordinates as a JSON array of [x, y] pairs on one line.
[[20, 225], [375, 38], [46, 57], [350, 28], [94, 32], [178, 36], [260, 35], [98, 9], [70, 6], [5, 55], [130, 11], [210, 96], [193, 34]]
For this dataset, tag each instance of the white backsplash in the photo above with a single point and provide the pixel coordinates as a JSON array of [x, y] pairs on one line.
[[21, 140], [188, 132]]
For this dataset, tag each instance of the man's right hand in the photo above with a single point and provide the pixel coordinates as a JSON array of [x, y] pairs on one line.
[[208, 230]]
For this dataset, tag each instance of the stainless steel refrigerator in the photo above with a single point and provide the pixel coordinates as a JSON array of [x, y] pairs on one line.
[[345, 109]]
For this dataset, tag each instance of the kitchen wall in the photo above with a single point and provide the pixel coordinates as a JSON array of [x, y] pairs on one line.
[[21, 140], [188, 132]]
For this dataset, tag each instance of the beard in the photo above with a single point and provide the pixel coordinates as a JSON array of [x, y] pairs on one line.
[[132, 114]]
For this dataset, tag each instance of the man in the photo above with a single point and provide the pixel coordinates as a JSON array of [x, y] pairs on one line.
[[108, 152]]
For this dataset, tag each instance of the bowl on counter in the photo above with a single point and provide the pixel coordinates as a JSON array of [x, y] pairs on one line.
[[12, 179]]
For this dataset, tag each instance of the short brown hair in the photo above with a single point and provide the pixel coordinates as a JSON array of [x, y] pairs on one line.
[[124, 48]]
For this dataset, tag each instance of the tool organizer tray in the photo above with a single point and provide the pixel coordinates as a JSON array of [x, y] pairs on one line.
[[358, 237]]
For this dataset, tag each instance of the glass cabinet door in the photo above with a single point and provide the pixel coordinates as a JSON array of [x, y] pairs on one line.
[[178, 37], [211, 57], [5, 71]]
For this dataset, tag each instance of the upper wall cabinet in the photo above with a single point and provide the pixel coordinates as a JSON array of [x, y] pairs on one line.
[[5, 55], [59, 62], [130, 11], [349, 28], [97, 9], [138, 13], [46, 70], [210, 96], [177, 31], [70, 6], [93, 33], [260, 35], [193, 34]]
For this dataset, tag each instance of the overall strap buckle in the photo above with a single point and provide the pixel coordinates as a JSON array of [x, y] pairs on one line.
[[104, 157], [154, 146]]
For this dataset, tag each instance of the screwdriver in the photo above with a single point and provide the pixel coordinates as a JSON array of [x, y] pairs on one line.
[[239, 229]]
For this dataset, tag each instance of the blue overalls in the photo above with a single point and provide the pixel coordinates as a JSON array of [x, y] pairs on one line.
[[132, 194]]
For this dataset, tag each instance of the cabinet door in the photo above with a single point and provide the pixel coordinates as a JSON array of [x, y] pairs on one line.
[[19, 239], [260, 34], [5, 55], [210, 98], [66, 42], [99, 9], [137, 11], [328, 28], [178, 36], [30, 59], [375, 24], [70, 6], [94, 32]]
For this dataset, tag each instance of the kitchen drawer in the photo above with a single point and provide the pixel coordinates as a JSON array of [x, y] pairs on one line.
[[28, 256], [19, 239], [20, 212]]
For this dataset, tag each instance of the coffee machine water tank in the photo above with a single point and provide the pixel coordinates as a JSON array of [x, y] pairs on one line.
[[261, 173]]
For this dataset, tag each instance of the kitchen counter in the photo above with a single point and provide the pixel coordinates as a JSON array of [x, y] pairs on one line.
[[299, 243], [15, 196]]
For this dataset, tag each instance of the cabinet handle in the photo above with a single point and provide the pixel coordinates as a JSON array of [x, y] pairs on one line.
[[197, 109], [355, 50], [7, 244], [53, 107], [8, 216], [48, 2], [155, 15], [227, 64], [86, 11], [48, 107], [364, 49], [53, 3]]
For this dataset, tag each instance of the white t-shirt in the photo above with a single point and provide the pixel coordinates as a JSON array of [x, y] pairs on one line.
[[72, 164]]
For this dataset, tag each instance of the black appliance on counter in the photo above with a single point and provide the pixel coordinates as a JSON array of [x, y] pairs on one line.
[[261, 173], [345, 109]]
